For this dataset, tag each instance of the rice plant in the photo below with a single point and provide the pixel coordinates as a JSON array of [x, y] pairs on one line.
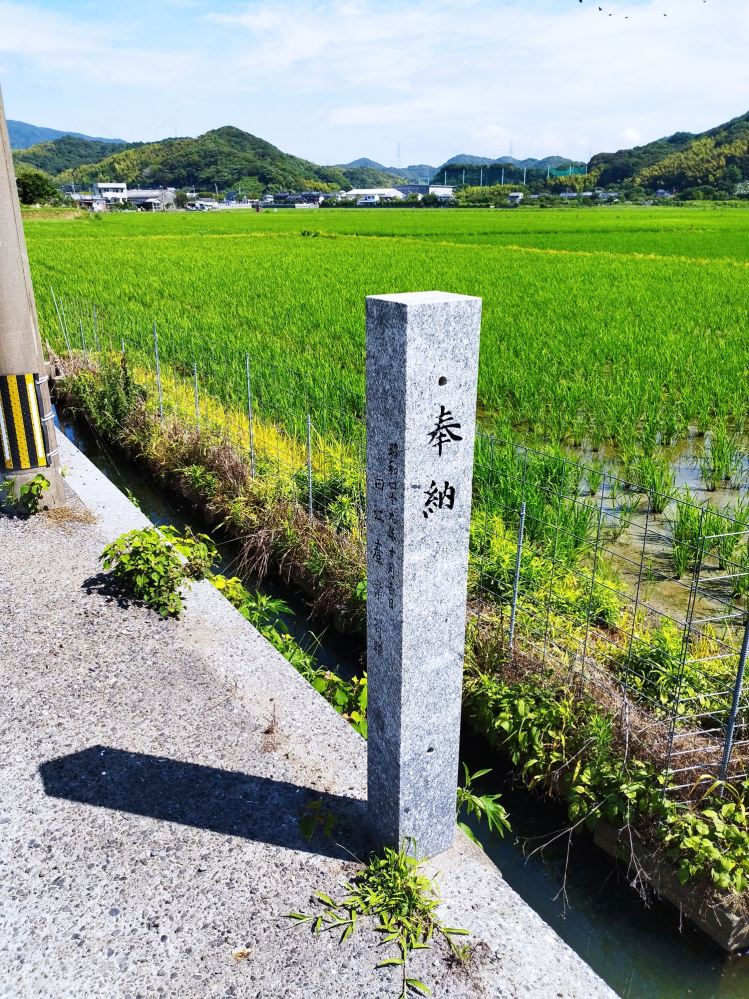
[[654, 474], [651, 374], [623, 518], [740, 569], [740, 511], [686, 521], [682, 555], [594, 474], [722, 458]]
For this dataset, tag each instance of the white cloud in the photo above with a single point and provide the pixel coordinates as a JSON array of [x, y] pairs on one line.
[[344, 78]]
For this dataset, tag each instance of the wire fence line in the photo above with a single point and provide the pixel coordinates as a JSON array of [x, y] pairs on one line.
[[642, 610], [634, 597], [302, 436]]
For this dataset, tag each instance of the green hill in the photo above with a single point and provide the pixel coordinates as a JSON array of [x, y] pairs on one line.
[[719, 156], [224, 157], [68, 152]]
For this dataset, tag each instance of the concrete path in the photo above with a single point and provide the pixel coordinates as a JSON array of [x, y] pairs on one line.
[[150, 777]]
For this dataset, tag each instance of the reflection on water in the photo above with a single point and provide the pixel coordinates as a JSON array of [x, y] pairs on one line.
[[641, 952]]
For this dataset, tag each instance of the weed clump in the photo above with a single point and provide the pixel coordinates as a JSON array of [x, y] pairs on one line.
[[148, 562], [29, 498], [562, 741]]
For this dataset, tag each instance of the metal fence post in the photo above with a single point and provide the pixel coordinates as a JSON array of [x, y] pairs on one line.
[[158, 371], [197, 404], [735, 705], [309, 464], [65, 324], [516, 579], [62, 325], [83, 339], [122, 344], [96, 330], [249, 416]]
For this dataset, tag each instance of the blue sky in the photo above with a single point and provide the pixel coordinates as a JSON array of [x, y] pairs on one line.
[[333, 81]]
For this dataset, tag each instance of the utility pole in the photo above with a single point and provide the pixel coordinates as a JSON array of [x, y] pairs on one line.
[[28, 444]]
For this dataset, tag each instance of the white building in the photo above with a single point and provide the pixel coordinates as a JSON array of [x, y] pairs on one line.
[[373, 194], [110, 191], [441, 190]]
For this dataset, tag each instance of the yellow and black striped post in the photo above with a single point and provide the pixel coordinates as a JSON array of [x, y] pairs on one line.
[[27, 434], [23, 437]]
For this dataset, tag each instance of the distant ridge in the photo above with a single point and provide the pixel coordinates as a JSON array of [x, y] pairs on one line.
[[530, 163], [225, 156], [22, 135], [416, 171]]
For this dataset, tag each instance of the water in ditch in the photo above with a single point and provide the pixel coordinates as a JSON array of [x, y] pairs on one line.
[[641, 952]]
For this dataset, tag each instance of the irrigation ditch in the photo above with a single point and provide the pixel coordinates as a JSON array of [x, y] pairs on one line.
[[164, 507], [606, 611]]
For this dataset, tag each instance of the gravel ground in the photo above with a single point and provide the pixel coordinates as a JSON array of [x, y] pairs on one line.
[[150, 777]]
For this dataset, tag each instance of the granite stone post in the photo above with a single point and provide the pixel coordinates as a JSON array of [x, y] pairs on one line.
[[422, 365]]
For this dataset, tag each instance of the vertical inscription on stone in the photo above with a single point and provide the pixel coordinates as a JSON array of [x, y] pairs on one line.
[[422, 364]]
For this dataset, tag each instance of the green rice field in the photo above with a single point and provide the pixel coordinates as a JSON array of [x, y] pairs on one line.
[[611, 324]]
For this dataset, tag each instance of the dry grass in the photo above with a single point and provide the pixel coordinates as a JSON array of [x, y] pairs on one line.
[[73, 513], [637, 731]]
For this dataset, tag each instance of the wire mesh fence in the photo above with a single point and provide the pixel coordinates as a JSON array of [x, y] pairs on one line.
[[302, 437], [633, 597]]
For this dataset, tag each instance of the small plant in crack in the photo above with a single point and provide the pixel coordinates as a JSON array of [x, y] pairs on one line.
[[391, 888], [312, 817], [29, 499]]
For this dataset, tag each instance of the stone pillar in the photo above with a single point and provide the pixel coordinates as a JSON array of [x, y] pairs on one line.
[[422, 366], [25, 403]]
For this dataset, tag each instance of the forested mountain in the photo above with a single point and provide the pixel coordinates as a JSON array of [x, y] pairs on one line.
[[22, 135], [367, 176], [627, 163], [710, 164], [224, 157], [682, 160], [409, 175], [68, 153], [707, 164], [466, 159]]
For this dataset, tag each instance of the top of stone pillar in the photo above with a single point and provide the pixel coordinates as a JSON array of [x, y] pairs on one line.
[[424, 297]]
